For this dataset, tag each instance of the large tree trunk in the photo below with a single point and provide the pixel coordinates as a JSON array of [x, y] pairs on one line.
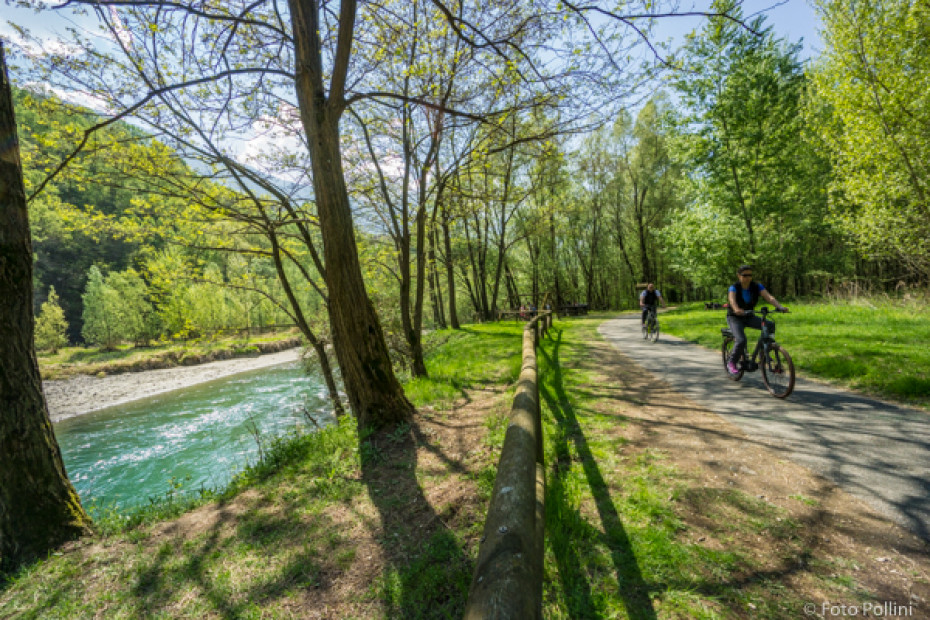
[[375, 395], [39, 508]]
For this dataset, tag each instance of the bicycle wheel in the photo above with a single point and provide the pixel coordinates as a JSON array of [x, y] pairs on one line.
[[654, 331], [645, 332], [778, 372], [726, 349]]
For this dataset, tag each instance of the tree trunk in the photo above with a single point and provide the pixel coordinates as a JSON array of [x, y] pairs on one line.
[[557, 291], [415, 336], [39, 509], [375, 394], [450, 273], [513, 294], [435, 283]]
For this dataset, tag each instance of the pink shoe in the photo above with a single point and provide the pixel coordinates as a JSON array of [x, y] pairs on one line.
[[731, 368]]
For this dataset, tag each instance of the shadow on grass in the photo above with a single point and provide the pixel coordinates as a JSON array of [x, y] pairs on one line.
[[277, 549], [633, 589], [255, 534], [225, 571], [430, 583]]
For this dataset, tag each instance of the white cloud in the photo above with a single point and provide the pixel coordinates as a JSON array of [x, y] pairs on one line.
[[38, 47], [75, 97], [274, 146]]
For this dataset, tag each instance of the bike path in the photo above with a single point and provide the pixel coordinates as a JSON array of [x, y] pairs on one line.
[[872, 449]]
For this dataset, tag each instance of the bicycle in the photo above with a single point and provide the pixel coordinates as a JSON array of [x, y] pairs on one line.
[[651, 326], [775, 362]]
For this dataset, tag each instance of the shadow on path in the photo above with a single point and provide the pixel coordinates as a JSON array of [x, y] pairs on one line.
[[876, 450], [576, 588]]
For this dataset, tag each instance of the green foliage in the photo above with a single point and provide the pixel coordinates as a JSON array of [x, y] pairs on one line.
[[79, 218], [115, 207], [101, 311], [136, 316], [51, 326], [750, 162], [117, 308], [872, 111], [704, 241]]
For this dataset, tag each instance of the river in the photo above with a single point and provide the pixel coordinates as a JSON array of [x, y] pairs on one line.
[[196, 437]]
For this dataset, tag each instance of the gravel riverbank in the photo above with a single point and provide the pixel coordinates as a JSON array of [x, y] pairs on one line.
[[83, 394]]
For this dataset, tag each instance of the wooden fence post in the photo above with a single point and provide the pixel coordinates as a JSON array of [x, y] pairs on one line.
[[507, 583]]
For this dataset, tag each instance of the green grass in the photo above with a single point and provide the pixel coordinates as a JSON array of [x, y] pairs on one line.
[[252, 567], [612, 548], [477, 355], [617, 544], [878, 347]]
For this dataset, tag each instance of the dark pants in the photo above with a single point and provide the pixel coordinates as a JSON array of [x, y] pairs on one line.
[[646, 310], [738, 325]]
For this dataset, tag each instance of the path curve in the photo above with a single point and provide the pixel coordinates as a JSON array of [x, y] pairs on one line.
[[872, 449]]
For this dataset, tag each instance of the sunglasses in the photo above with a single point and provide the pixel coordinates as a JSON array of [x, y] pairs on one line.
[[745, 275]]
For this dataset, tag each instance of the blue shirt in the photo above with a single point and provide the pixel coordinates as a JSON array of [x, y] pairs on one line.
[[747, 294]]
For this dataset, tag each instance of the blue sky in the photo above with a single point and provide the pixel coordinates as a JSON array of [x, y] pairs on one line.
[[790, 18], [794, 19]]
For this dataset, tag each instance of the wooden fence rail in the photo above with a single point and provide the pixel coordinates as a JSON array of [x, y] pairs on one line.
[[507, 583]]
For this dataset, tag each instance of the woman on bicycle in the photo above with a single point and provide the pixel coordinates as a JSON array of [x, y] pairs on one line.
[[743, 296], [649, 298]]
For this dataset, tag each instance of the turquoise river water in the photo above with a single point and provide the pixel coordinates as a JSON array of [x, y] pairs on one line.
[[197, 437]]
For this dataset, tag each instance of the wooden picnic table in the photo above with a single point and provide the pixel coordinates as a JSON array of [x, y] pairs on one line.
[[573, 309]]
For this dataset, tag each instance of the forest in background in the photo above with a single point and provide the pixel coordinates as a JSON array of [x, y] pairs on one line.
[[813, 172]]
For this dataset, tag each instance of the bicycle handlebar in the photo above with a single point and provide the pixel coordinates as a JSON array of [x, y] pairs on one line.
[[765, 310]]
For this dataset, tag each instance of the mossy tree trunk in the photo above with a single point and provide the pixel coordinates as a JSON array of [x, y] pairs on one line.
[[39, 508], [374, 392]]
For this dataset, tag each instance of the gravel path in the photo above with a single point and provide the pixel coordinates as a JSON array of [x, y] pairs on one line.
[[82, 394], [872, 449]]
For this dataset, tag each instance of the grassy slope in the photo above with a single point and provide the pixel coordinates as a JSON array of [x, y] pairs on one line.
[[876, 347]]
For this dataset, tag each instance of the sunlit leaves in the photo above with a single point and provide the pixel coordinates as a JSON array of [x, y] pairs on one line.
[[872, 110]]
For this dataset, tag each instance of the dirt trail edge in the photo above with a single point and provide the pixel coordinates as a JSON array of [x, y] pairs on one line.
[[877, 451]]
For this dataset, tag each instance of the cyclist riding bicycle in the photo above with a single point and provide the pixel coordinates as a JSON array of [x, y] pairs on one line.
[[743, 296], [648, 300]]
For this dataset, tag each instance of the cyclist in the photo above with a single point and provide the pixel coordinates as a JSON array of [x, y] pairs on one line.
[[648, 300], [743, 295]]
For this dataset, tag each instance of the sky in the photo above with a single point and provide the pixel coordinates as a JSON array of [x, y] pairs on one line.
[[793, 19]]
